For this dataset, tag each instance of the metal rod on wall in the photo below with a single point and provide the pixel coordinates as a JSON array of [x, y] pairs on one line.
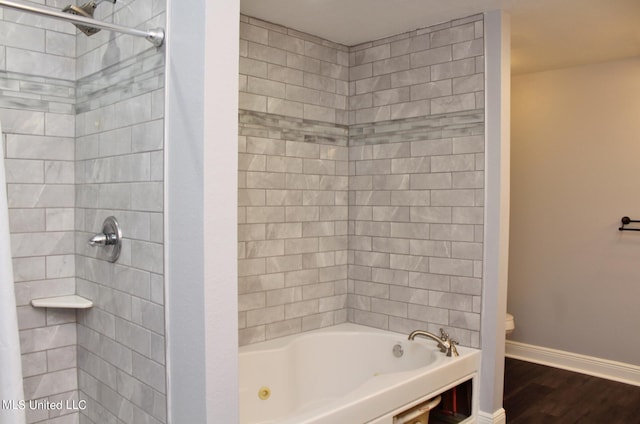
[[625, 221], [154, 36]]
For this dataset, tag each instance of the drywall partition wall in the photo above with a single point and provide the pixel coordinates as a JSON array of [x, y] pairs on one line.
[[416, 179], [221, 272], [573, 277], [361, 181], [37, 71], [184, 198], [201, 198], [496, 242]]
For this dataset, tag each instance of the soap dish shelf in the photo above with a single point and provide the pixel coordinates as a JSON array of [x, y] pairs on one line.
[[63, 302]]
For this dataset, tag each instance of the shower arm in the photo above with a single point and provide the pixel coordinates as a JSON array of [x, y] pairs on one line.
[[154, 36]]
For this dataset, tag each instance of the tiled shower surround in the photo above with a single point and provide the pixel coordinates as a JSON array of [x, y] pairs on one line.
[[119, 172], [82, 120], [361, 181], [293, 224]]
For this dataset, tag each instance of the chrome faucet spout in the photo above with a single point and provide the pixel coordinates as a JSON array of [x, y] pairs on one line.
[[445, 344], [428, 335]]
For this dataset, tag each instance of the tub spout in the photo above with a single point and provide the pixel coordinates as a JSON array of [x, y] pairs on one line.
[[445, 344]]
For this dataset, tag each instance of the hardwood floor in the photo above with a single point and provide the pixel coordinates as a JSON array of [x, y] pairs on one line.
[[537, 394]]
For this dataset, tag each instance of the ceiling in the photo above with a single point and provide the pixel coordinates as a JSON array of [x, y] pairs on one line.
[[545, 34]]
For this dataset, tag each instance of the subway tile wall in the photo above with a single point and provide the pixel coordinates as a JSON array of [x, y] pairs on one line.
[[119, 172], [412, 122], [38, 46], [429, 71], [416, 224], [105, 49], [37, 74], [83, 139], [293, 182], [292, 232], [416, 161], [286, 72]]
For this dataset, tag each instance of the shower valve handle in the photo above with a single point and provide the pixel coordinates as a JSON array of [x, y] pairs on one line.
[[110, 238], [103, 239]]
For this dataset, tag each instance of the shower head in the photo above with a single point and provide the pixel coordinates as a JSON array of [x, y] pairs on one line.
[[86, 10]]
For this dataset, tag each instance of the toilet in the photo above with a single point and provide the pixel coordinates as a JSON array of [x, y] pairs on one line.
[[510, 324]]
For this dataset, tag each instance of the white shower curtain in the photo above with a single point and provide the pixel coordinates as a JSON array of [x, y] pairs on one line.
[[11, 392]]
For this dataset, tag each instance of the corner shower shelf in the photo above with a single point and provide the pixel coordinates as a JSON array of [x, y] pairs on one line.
[[64, 302]]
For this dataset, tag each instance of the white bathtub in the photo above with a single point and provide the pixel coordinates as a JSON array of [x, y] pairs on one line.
[[344, 374]]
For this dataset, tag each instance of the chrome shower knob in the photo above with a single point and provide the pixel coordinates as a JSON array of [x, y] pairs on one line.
[[110, 239]]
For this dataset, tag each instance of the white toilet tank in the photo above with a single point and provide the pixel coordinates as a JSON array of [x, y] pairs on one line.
[[510, 324]]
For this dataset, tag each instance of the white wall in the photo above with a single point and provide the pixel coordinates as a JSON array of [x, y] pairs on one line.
[[201, 198], [221, 209], [496, 233], [573, 277]]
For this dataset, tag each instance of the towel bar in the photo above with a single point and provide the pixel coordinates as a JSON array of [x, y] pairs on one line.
[[625, 221]]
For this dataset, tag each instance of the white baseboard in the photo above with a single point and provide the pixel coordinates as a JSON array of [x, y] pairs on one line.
[[497, 417], [598, 367]]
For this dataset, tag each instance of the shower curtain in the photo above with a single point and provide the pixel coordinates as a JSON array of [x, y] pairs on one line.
[[11, 392]]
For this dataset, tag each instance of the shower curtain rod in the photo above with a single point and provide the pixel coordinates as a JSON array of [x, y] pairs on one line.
[[154, 36]]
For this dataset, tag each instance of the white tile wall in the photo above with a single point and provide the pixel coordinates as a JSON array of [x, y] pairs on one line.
[[70, 143], [429, 71], [292, 232], [289, 73], [121, 340], [36, 113], [405, 197]]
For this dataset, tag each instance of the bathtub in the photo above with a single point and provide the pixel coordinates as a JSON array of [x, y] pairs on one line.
[[345, 374]]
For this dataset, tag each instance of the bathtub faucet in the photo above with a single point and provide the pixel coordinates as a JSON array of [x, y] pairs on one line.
[[446, 344]]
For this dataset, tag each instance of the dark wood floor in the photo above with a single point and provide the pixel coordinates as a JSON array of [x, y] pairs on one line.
[[536, 394]]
